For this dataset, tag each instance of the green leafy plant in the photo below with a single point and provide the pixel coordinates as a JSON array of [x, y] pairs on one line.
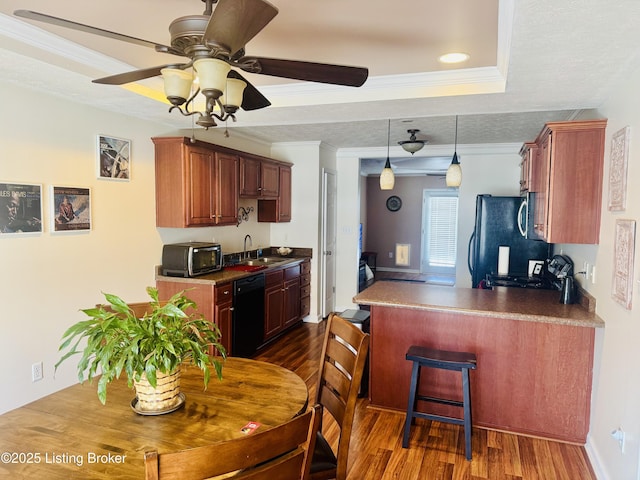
[[163, 338]]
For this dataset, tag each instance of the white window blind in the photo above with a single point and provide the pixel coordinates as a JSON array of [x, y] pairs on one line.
[[442, 231]]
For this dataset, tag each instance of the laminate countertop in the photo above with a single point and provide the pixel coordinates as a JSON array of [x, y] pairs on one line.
[[229, 274], [512, 303]]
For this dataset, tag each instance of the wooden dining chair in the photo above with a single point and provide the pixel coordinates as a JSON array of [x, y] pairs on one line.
[[280, 453], [341, 367]]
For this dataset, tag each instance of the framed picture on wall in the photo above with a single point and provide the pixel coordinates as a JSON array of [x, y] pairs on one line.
[[624, 251], [70, 209], [114, 158], [20, 209], [618, 170]]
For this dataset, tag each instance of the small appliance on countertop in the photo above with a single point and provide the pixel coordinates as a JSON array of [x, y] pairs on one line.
[[557, 274], [190, 259]]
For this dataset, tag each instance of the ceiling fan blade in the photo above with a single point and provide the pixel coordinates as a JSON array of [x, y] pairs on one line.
[[252, 99], [61, 22], [135, 75], [308, 71], [235, 22]]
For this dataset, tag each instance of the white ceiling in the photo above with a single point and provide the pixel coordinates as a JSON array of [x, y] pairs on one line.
[[532, 61]]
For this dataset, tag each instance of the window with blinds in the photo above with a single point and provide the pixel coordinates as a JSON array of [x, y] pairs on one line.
[[440, 232]]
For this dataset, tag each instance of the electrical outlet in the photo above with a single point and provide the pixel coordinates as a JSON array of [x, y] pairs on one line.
[[36, 372], [390, 254]]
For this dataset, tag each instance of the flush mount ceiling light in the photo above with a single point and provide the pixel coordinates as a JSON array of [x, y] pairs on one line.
[[413, 144], [455, 57], [454, 172], [387, 179]]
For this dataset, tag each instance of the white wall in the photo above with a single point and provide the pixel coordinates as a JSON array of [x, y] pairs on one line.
[[304, 229], [617, 388], [48, 277]]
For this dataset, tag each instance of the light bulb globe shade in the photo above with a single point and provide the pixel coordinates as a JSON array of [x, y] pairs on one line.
[[387, 178], [233, 94], [212, 75], [177, 85], [453, 177], [411, 147]]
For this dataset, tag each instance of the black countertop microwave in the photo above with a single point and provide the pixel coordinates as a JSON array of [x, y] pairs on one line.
[[191, 259]]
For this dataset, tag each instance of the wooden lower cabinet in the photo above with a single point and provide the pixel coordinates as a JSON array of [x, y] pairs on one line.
[[305, 288], [282, 300], [273, 303], [214, 301], [532, 378]]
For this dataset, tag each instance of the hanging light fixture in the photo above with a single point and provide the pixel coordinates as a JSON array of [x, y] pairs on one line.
[[454, 172], [216, 81], [387, 179], [413, 144]]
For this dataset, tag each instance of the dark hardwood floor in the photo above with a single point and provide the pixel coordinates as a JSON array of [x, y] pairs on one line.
[[436, 449]]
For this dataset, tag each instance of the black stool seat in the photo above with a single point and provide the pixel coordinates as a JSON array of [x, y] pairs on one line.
[[446, 360]]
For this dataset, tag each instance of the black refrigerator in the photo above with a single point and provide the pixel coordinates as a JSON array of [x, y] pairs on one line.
[[496, 225]]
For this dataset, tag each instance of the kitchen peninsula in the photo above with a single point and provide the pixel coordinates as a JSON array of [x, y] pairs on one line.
[[535, 355]]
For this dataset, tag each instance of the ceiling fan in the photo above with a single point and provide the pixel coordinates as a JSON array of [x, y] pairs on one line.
[[214, 42]]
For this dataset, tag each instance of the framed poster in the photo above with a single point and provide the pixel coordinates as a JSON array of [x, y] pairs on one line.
[[71, 209], [624, 250], [618, 170], [20, 208], [114, 158]]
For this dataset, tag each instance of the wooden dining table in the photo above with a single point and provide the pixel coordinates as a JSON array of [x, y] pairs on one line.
[[70, 434]]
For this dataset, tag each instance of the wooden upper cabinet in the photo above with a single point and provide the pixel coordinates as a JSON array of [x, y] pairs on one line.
[[226, 198], [195, 184], [278, 209], [566, 181], [527, 152], [259, 178], [270, 179], [249, 177]]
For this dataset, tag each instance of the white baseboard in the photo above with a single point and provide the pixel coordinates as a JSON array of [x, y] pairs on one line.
[[594, 459]]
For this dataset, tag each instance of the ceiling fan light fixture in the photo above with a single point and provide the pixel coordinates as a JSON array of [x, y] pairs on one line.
[[413, 144], [177, 85], [212, 75], [232, 97]]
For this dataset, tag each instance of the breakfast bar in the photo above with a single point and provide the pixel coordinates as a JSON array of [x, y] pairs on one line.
[[535, 355]]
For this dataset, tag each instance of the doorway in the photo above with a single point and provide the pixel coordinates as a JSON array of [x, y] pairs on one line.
[[439, 235], [328, 262]]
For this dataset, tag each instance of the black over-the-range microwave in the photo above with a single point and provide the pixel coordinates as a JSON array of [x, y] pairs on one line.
[[190, 259]]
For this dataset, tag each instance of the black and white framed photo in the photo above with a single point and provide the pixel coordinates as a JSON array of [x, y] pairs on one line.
[[20, 209], [71, 209], [114, 158]]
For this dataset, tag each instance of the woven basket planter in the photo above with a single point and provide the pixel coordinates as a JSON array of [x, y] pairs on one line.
[[164, 397]]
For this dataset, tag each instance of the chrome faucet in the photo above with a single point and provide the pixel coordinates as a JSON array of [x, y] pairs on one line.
[[244, 252]]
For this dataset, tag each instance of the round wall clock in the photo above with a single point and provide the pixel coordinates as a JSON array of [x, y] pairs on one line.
[[394, 203]]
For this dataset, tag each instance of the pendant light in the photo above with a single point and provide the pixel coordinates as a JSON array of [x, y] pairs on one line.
[[454, 172], [387, 179]]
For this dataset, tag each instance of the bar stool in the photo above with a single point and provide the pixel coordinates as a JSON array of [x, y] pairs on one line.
[[459, 361]]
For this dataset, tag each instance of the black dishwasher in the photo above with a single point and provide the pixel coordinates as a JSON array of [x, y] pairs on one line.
[[248, 315]]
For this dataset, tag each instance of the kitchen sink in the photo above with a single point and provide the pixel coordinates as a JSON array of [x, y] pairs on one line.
[[263, 261]]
